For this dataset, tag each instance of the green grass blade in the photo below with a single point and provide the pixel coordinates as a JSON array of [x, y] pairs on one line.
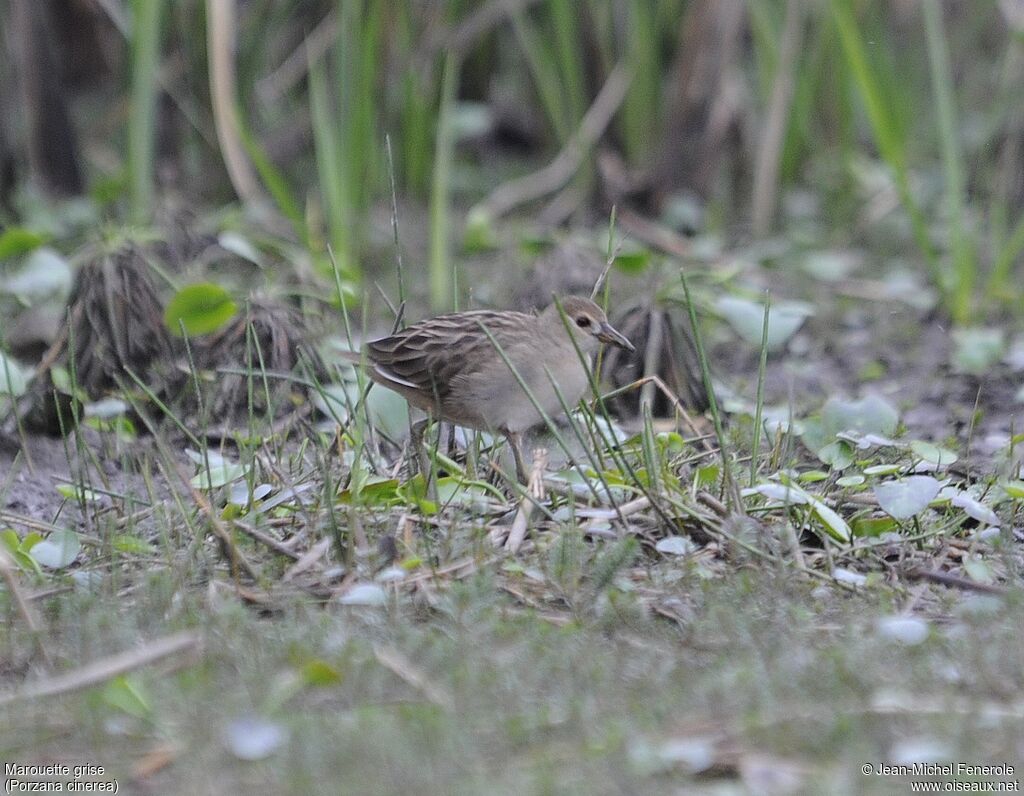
[[330, 169], [440, 194], [145, 54], [729, 481], [964, 263], [886, 128]]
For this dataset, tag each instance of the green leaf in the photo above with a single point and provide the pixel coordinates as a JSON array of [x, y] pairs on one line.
[[873, 526], [974, 508], [838, 455], [414, 493], [218, 475], [78, 492], [979, 571], [883, 469], [747, 319], [19, 549], [833, 524], [374, 491], [870, 415], [124, 694], [132, 545], [788, 493], [57, 550], [670, 442], [708, 475], [933, 454], [977, 349], [319, 672], [1014, 489], [459, 492], [634, 261], [479, 234], [45, 274], [201, 308], [9, 539], [18, 240], [904, 499]]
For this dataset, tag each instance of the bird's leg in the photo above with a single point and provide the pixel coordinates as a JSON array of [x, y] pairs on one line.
[[416, 443], [422, 460], [449, 450], [515, 441]]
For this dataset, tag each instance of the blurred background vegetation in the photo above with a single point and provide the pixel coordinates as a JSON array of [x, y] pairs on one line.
[[899, 123]]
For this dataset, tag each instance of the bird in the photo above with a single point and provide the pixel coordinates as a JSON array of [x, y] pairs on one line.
[[469, 368]]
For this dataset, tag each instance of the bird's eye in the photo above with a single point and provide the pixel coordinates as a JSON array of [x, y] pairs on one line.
[[583, 321]]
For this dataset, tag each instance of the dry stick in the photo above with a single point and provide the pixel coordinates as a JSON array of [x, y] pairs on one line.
[[37, 525], [557, 173], [956, 581], [766, 171], [395, 662], [562, 206], [235, 556], [625, 510], [671, 397], [7, 567], [106, 668], [654, 235], [262, 538], [220, 41], [295, 67], [308, 559], [468, 32]]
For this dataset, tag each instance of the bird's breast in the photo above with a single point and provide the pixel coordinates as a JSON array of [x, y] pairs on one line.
[[498, 399]]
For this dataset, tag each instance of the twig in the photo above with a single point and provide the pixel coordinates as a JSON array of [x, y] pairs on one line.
[[106, 668], [557, 173], [392, 660], [220, 41], [310, 557], [766, 171], [469, 31], [275, 85], [956, 581], [269, 541], [654, 234], [671, 398]]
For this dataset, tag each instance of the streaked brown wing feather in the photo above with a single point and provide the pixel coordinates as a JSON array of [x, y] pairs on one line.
[[432, 353]]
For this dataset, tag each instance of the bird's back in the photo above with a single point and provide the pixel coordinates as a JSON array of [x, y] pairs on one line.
[[449, 366]]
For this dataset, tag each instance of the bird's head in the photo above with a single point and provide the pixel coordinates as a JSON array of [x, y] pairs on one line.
[[588, 323]]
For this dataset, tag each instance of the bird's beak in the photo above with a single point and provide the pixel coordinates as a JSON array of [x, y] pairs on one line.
[[609, 334]]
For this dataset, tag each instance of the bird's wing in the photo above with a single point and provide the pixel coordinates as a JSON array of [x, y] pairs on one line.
[[429, 355]]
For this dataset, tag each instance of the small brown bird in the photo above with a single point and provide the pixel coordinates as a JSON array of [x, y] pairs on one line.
[[449, 366]]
